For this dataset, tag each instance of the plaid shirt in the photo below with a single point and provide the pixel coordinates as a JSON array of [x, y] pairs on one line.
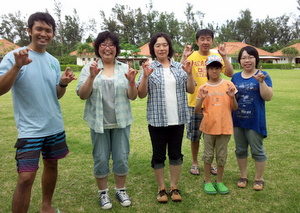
[[156, 103], [93, 112]]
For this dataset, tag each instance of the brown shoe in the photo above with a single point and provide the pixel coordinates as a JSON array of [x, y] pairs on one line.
[[162, 196], [258, 185], [242, 183], [175, 194]]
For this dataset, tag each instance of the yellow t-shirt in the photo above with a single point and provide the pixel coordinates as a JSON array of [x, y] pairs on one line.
[[199, 73]]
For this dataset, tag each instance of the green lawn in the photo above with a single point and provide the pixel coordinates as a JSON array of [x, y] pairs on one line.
[[76, 189]]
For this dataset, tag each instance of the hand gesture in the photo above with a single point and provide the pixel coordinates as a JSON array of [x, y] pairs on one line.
[[222, 49], [146, 68], [21, 57], [187, 51], [203, 92], [260, 77], [230, 90], [67, 77], [131, 74], [187, 66], [94, 69]]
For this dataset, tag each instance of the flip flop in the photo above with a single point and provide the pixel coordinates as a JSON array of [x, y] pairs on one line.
[[213, 170], [194, 170]]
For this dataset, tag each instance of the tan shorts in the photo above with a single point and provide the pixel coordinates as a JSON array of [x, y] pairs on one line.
[[215, 144]]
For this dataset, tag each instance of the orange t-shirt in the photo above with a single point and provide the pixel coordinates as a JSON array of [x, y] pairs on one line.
[[217, 110]]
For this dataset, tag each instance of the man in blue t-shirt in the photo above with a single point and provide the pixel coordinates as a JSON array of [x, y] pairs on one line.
[[34, 76]]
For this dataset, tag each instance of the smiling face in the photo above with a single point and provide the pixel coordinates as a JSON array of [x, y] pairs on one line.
[[107, 50], [248, 62], [204, 43], [161, 49], [41, 35]]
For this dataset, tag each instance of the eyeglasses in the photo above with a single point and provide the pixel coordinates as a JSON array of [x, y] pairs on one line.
[[248, 58], [103, 45]]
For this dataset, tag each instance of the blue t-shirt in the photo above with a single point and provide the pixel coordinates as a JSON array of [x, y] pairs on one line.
[[251, 112], [36, 108]]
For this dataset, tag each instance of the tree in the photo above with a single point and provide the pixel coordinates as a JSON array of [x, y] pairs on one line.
[[73, 31], [83, 48], [244, 26], [290, 53], [14, 28]]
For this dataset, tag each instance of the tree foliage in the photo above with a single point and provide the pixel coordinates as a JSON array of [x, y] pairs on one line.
[[290, 53], [136, 28]]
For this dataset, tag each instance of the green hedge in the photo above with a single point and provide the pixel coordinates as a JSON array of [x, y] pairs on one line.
[[74, 68], [237, 66]]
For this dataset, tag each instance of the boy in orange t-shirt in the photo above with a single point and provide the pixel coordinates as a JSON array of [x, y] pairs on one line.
[[218, 99]]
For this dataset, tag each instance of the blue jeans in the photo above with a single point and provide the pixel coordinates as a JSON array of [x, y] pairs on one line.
[[248, 137], [113, 142]]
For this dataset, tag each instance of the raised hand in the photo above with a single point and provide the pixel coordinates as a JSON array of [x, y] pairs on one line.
[[187, 66], [131, 74], [260, 77], [94, 69], [222, 49], [21, 57], [230, 90], [146, 68], [203, 92], [187, 51], [67, 77]]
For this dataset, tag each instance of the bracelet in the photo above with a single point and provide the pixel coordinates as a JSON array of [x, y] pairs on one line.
[[132, 85], [63, 86]]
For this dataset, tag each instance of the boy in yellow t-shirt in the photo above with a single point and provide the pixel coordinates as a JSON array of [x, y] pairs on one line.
[[217, 97], [204, 40]]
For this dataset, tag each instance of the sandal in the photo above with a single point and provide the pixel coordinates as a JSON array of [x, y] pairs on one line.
[[258, 185], [213, 170], [194, 170], [242, 183]]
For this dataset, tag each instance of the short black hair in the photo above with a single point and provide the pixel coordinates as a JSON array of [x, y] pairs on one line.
[[213, 64], [251, 51], [102, 37], [153, 41], [41, 16], [204, 32]]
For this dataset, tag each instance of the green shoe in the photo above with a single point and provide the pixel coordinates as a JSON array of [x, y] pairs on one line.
[[209, 188], [221, 188]]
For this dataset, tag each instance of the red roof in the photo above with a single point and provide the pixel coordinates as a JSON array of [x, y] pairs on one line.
[[234, 48], [144, 50], [7, 46], [279, 52]]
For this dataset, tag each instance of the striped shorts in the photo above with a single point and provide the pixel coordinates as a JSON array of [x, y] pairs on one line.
[[28, 151]]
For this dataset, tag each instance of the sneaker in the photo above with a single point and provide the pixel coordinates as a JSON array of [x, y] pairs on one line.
[[221, 188], [162, 196], [104, 199], [242, 182], [175, 194], [123, 197], [209, 188], [258, 185]]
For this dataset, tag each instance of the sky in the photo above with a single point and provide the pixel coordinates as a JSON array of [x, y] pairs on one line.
[[218, 12]]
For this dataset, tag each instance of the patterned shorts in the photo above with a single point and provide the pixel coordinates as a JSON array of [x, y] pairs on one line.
[[28, 151], [192, 128]]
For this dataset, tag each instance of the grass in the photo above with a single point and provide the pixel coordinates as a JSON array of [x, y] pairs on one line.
[[76, 188]]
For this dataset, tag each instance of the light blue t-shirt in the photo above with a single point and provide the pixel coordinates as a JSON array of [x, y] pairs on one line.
[[36, 108]]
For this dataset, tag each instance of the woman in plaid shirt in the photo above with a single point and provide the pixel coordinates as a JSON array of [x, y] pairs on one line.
[[166, 83]]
